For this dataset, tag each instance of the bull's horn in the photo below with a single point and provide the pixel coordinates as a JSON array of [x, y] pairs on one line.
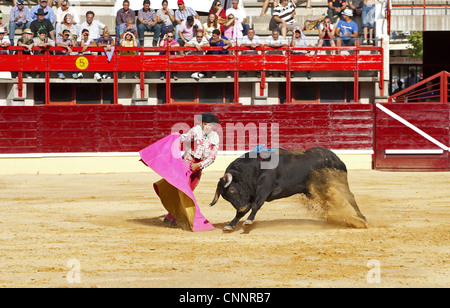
[[227, 177], [216, 197]]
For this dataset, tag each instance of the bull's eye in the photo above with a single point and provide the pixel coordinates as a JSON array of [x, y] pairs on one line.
[[232, 190]]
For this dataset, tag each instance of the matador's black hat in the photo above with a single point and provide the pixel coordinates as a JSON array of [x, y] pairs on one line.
[[208, 117]]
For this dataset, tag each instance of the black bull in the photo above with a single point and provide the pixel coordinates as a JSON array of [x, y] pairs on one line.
[[251, 180]]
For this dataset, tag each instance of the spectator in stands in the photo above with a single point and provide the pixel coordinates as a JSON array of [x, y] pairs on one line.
[[44, 42], [61, 13], [299, 40], [233, 30], [347, 30], [181, 15], [284, 14], [327, 33], [129, 40], [128, 26], [219, 41], [168, 40], [336, 7], [124, 14], [356, 6], [2, 24], [65, 40], [42, 23], [220, 14], [93, 26], [251, 41], [188, 29], [50, 15], [4, 41], [166, 17], [107, 42], [68, 24], [368, 21], [210, 25], [197, 42], [148, 22], [86, 41], [239, 14], [275, 41], [27, 42], [19, 18]]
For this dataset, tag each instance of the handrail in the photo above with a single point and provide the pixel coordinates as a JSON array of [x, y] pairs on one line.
[[360, 58], [422, 91]]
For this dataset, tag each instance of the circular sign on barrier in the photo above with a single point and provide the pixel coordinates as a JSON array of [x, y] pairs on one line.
[[82, 63]]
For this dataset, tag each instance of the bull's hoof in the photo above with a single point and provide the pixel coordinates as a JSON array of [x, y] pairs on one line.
[[228, 228], [248, 223]]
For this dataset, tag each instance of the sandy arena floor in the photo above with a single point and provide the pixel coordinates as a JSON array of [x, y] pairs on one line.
[[111, 225]]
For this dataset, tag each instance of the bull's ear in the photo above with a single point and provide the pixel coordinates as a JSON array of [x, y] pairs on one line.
[[228, 177], [216, 197]]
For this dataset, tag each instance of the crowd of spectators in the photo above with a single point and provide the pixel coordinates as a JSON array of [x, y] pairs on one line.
[[224, 27]]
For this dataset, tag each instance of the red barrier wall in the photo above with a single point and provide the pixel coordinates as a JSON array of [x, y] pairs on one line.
[[116, 128], [433, 119]]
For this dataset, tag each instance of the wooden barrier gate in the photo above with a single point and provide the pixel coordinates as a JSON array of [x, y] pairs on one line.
[[411, 137]]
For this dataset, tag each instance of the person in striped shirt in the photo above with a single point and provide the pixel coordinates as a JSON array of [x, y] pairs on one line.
[[284, 14]]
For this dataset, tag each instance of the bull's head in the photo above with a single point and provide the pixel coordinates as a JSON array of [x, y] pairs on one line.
[[232, 191]]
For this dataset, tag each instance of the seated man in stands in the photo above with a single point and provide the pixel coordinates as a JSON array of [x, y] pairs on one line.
[[148, 22], [4, 41], [347, 30], [181, 15], [284, 14], [19, 18], [123, 15], [188, 29], [275, 41], [198, 42], [336, 7]]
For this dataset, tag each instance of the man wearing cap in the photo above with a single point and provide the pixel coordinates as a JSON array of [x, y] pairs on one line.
[[42, 23], [181, 15], [19, 18], [49, 14], [347, 30]]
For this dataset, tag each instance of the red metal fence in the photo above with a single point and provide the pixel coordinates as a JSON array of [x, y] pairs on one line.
[[360, 59], [432, 89]]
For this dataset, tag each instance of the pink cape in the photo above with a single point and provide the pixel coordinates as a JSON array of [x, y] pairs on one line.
[[164, 157]]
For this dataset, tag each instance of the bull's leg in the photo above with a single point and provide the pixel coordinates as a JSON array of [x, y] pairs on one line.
[[239, 214], [352, 201], [251, 217]]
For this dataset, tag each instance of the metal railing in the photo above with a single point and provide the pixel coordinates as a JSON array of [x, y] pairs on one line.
[[431, 89]]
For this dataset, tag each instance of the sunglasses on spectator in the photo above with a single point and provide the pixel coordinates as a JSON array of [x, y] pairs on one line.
[[199, 36]]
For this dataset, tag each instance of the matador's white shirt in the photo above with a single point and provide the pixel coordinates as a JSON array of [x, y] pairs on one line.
[[205, 146]]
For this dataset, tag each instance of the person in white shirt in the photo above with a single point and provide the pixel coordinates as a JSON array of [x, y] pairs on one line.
[[275, 41], [198, 41], [251, 41], [239, 13], [94, 26], [284, 14], [61, 12]]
